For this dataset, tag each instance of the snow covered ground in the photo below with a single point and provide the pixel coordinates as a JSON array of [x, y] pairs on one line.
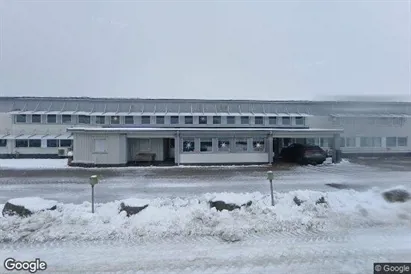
[[179, 233]]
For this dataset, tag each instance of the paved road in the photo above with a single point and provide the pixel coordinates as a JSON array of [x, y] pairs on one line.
[[71, 185], [346, 252]]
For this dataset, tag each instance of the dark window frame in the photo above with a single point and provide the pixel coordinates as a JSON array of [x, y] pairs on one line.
[[37, 116], [51, 121]]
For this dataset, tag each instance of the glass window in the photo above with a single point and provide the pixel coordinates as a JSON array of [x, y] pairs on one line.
[[115, 120], [342, 142], [230, 120], [216, 120], [160, 120], [3, 142], [36, 118], [100, 145], [245, 120], [272, 120], [52, 143], [241, 145], [51, 119], [326, 142], [188, 145], [299, 121], [366, 142], [202, 120], [35, 143], [206, 145], [22, 143], [145, 120], [66, 119], [100, 120], [376, 141], [391, 141], [223, 145], [188, 120], [83, 119], [258, 120], [21, 118], [174, 120], [129, 120], [66, 143], [350, 142], [402, 141], [258, 144], [312, 141], [286, 120]]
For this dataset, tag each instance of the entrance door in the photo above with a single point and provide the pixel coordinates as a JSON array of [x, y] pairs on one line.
[[171, 148]]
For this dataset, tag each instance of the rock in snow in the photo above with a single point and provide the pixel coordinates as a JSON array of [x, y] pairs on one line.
[[24, 207], [297, 201], [131, 210], [396, 195], [220, 205]]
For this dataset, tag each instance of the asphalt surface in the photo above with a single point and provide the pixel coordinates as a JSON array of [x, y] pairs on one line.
[[71, 185]]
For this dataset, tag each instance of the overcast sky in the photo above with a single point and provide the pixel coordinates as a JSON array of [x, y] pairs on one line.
[[208, 49]]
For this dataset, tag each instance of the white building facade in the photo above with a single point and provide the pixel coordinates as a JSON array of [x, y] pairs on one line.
[[128, 131]]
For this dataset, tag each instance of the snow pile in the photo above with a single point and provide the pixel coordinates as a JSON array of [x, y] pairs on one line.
[[34, 204], [169, 217], [33, 163]]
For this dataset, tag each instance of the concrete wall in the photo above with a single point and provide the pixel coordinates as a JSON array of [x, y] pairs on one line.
[[152, 145], [84, 150], [220, 158]]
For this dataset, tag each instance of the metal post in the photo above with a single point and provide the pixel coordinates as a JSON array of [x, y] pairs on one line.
[[92, 198], [270, 177]]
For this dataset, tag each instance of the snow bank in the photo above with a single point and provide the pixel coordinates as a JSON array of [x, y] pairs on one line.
[[169, 217], [33, 204], [33, 163]]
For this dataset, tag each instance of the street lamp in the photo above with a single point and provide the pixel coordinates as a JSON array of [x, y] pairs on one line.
[[93, 182], [270, 177]]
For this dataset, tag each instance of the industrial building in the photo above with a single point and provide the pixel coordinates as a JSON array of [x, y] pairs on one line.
[[117, 132]]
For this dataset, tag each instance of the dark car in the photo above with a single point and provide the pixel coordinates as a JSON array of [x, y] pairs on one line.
[[303, 154]]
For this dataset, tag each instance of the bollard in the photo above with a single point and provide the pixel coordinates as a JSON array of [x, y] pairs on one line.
[[93, 182], [270, 177]]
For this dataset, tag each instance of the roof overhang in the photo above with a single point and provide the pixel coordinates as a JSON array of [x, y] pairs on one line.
[[276, 132]]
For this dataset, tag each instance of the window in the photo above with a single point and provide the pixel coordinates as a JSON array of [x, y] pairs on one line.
[[22, 143], [160, 120], [223, 145], [286, 120], [342, 142], [370, 142], [115, 120], [174, 120], [188, 145], [391, 141], [21, 118], [402, 141], [188, 120], [299, 121], [51, 119], [36, 118], [3, 142], [241, 145], [66, 143], [35, 143], [100, 145], [325, 142], [350, 142], [52, 143], [83, 119], [245, 120], [258, 120], [129, 120], [216, 120], [100, 120], [230, 120], [312, 141], [258, 144], [66, 119], [272, 120], [202, 120], [206, 145], [145, 120]]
